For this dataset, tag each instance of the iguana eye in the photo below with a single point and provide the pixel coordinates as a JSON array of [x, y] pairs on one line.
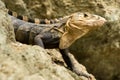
[[85, 15]]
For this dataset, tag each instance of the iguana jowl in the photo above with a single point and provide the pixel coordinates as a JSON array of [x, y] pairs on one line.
[[57, 34]]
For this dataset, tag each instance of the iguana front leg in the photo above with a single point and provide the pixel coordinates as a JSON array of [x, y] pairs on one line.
[[38, 41], [74, 65]]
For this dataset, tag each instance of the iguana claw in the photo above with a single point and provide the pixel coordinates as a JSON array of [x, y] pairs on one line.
[[84, 74]]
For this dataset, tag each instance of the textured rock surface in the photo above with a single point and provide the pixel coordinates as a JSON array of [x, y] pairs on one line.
[[98, 51], [25, 62]]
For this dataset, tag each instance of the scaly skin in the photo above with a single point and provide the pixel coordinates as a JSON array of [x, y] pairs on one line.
[[59, 35]]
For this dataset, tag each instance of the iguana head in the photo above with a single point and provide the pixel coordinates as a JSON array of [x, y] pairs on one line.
[[78, 25]]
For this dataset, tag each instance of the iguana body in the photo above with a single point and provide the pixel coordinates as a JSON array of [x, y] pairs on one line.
[[31, 33], [59, 34]]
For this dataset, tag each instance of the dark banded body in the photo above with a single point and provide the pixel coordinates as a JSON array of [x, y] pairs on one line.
[[26, 32]]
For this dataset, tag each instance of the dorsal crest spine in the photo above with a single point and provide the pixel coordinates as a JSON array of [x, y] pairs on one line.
[[35, 20]]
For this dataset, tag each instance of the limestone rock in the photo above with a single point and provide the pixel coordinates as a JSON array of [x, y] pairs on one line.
[[100, 50]]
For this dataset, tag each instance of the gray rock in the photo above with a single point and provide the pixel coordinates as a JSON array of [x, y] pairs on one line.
[[100, 50]]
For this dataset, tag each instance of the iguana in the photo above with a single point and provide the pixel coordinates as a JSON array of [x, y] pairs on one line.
[[59, 33]]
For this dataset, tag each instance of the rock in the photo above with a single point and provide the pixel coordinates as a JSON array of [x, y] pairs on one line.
[[100, 50], [26, 62]]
